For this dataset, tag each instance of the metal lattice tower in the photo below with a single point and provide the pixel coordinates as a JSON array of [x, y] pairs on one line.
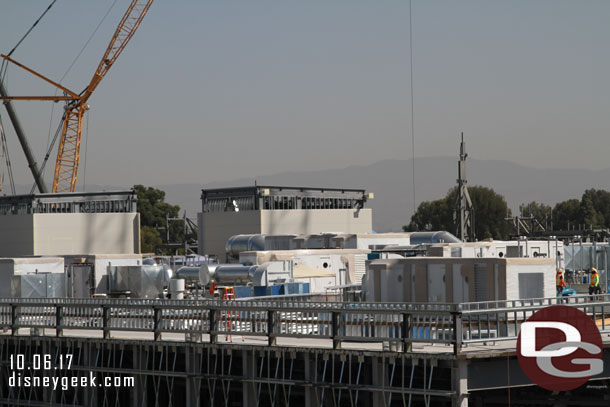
[[464, 211]]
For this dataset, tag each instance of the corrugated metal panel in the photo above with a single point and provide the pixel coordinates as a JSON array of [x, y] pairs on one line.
[[480, 282], [360, 267]]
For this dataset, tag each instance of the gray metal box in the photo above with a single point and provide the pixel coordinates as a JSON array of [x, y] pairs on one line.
[[514, 251], [140, 281], [38, 286], [118, 278]]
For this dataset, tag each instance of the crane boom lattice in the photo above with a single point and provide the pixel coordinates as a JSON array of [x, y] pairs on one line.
[[68, 153]]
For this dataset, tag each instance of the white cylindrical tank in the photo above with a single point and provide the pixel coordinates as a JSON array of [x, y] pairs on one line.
[[176, 288]]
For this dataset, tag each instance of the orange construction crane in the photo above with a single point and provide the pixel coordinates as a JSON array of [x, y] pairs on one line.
[[68, 153]]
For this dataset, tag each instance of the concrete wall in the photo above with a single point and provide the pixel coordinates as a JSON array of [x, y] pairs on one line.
[[365, 240], [307, 221], [16, 236], [74, 233], [540, 265], [51, 234], [215, 228]]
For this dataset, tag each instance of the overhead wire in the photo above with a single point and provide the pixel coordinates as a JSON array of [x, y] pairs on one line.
[[48, 154], [88, 40], [412, 108]]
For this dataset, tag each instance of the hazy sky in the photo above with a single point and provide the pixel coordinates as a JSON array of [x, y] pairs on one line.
[[214, 90]]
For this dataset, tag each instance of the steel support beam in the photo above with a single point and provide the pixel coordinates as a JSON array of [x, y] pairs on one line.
[[23, 141]]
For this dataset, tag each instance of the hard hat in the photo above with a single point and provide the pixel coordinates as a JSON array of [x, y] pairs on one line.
[[559, 271], [593, 270]]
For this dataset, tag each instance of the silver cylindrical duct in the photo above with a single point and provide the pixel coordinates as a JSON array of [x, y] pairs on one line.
[[194, 274], [244, 243], [432, 237], [168, 273], [228, 274]]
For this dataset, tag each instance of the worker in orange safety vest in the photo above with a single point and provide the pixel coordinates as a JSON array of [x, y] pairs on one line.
[[560, 284]]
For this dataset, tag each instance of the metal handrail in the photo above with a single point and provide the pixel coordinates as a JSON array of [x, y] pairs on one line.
[[397, 324]]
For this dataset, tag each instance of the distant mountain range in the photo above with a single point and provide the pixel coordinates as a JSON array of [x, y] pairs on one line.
[[390, 181]]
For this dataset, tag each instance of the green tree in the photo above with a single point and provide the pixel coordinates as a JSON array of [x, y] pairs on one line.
[[595, 208], [153, 211], [149, 239], [435, 215], [490, 211], [566, 214]]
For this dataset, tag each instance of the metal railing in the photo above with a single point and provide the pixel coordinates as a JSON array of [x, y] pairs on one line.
[[501, 320], [398, 325]]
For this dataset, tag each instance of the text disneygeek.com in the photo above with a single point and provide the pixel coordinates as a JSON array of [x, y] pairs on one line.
[[24, 374]]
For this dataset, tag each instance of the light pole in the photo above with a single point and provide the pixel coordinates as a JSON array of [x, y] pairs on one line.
[[581, 253], [574, 254], [548, 244]]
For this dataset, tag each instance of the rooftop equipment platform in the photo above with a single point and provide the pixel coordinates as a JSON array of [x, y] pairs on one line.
[[69, 223], [277, 210], [70, 202]]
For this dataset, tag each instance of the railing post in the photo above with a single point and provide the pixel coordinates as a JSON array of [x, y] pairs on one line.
[[14, 330], [212, 328], [335, 329], [457, 332], [157, 323], [407, 333], [106, 321], [271, 341], [59, 320]]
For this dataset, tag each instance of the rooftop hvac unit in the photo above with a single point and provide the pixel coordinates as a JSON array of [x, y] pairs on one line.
[[138, 281], [51, 285]]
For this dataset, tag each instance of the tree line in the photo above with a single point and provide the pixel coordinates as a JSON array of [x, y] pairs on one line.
[[153, 209], [592, 210]]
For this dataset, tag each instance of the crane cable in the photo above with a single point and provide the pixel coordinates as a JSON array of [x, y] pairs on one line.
[[48, 154], [3, 72], [31, 28], [70, 68], [86, 144]]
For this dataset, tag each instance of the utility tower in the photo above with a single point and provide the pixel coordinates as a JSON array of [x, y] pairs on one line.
[[464, 211]]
